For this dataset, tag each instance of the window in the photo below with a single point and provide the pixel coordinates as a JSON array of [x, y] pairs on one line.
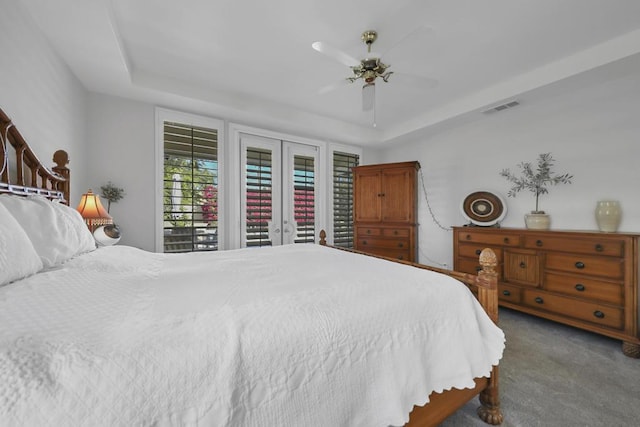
[[343, 198], [190, 187]]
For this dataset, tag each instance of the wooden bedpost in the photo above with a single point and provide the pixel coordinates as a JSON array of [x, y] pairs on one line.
[[61, 159], [323, 238], [490, 411]]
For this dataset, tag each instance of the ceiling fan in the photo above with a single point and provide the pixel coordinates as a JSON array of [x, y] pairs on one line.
[[369, 69]]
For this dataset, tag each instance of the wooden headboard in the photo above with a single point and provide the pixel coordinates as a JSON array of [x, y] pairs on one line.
[[30, 176]]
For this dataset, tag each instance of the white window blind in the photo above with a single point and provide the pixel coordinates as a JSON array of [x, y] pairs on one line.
[[259, 195], [304, 199], [343, 198], [190, 202]]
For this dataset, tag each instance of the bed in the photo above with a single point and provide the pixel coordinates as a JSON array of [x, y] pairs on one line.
[[280, 336]]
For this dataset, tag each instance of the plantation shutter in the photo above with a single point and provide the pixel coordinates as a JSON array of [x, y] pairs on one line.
[[190, 191], [343, 198], [259, 190], [304, 199]]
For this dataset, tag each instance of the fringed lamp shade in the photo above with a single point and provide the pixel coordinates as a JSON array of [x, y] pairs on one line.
[[91, 209]]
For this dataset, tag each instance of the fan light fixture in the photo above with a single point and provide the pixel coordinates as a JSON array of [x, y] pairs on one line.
[[370, 69]]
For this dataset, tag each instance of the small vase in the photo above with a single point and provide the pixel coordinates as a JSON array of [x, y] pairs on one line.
[[537, 221], [608, 214]]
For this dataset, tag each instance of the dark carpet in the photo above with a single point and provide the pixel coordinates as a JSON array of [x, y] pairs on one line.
[[556, 375]]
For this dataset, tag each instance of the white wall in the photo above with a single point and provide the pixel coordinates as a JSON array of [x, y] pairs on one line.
[[593, 133], [38, 91], [121, 150]]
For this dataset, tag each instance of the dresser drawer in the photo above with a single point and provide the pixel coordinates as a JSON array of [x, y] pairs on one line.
[[589, 246], [581, 287], [499, 239], [471, 250], [366, 242], [369, 231], [509, 293], [521, 267], [599, 314], [472, 266], [612, 268], [395, 232]]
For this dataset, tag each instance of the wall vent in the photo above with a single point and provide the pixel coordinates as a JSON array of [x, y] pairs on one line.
[[501, 107]]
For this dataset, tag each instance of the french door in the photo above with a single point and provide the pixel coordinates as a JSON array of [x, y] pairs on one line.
[[279, 189]]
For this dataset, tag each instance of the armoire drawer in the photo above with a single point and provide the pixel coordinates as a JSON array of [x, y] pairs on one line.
[[600, 314], [366, 242], [585, 288], [369, 231], [588, 246], [501, 239], [612, 268], [390, 253], [396, 232]]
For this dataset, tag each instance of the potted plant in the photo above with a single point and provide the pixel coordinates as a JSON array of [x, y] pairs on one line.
[[109, 234], [537, 181]]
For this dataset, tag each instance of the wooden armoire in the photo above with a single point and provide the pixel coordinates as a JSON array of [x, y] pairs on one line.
[[385, 206]]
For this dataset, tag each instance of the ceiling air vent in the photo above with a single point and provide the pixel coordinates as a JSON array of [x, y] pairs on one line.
[[501, 107]]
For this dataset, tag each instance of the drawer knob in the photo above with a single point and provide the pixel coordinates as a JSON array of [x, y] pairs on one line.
[[506, 240], [539, 300], [478, 251], [368, 231], [364, 242], [599, 248], [395, 232], [468, 237], [400, 245], [523, 265], [478, 268], [598, 314], [538, 243], [580, 287], [506, 293], [580, 265]]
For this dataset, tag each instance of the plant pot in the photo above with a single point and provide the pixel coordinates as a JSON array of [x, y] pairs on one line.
[[537, 221]]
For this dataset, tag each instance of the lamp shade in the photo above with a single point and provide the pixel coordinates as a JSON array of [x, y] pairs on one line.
[[91, 209]]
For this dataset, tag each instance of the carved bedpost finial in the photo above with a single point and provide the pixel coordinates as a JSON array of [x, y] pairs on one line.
[[61, 159], [488, 260], [323, 238]]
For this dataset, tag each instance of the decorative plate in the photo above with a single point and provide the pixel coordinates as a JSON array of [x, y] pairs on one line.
[[483, 208]]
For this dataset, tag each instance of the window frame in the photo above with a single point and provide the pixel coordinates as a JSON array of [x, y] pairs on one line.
[[166, 115]]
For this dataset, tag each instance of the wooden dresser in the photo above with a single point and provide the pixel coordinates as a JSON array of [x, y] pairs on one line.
[[583, 279], [385, 209]]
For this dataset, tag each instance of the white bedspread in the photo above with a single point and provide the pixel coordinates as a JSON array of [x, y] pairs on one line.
[[298, 335]]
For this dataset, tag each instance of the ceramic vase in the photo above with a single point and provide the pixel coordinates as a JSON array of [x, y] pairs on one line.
[[608, 215], [537, 221]]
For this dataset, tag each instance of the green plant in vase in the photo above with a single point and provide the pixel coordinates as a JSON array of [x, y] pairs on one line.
[[536, 180], [110, 233]]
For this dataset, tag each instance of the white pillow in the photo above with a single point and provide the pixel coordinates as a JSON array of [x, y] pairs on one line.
[[18, 258], [56, 234]]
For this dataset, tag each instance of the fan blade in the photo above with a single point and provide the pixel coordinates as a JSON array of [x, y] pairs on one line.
[[414, 80], [333, 87], [368, 96], [419, 32], [336, 54]]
